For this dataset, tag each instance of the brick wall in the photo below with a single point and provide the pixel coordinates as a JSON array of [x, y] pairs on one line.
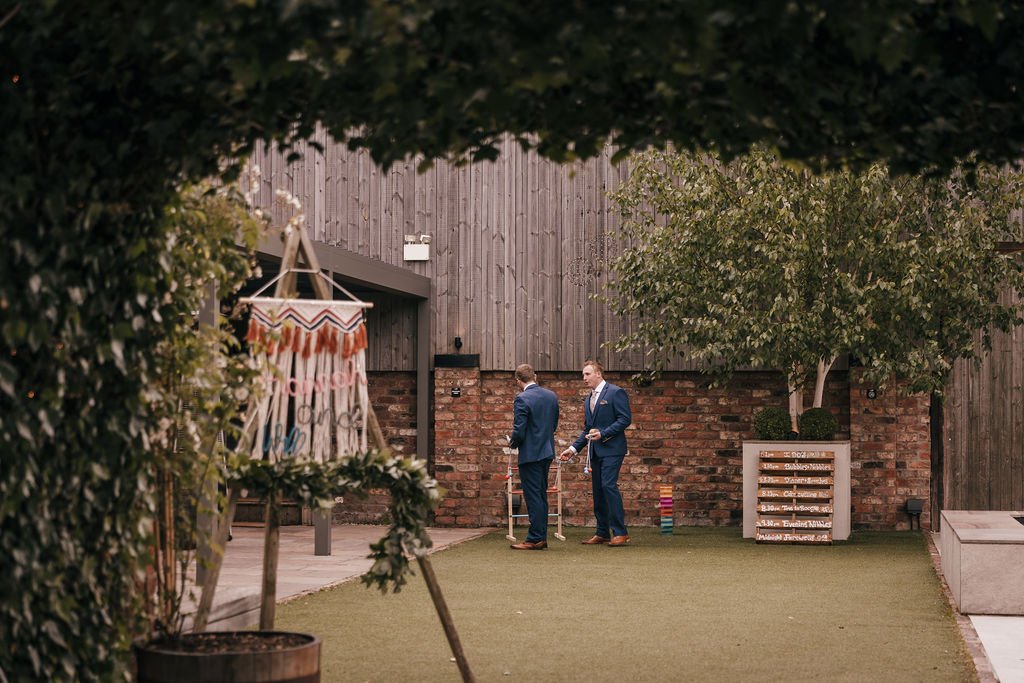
[[891, 456], [684, 433], [393, 396], [458, 451]]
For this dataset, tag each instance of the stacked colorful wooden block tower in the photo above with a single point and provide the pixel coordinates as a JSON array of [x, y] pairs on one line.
[[666, 509]]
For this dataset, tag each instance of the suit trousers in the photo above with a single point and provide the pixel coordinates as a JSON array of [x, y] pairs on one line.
[[608, 510], [534, 478]]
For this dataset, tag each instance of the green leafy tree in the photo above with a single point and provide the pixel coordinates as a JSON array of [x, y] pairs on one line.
[[205, 381], [918, 84], [753, 263], [108, 108]]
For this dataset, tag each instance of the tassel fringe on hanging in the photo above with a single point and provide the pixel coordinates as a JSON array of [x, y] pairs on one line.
[[313, 357]]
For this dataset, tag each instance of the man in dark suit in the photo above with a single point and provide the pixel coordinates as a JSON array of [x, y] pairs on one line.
[[606, 416], [535, 419]]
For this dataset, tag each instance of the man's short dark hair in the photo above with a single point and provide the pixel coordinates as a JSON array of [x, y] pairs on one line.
[[525, 373]]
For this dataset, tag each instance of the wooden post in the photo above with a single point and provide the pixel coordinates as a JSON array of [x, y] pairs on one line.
[[286, 286], [271, 548], [321, 532], [376, 434], [446, 619], [433, 587], [165, 543]]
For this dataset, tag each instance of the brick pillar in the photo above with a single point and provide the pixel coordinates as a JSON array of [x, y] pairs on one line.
[[393, 397], [890, 453], [498, 391], [457, 444]]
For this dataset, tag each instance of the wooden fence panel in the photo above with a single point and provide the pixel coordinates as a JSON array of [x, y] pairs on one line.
[[519, 246], [984, 428]]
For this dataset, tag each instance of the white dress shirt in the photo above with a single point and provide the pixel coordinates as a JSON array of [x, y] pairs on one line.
[[595, 393]]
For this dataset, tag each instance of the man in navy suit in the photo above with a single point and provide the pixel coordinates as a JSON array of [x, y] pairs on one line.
[[606, 416], [535, 419]]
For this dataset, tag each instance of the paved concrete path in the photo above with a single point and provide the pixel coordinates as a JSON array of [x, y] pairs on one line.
[[236, 605], [1003, 640]]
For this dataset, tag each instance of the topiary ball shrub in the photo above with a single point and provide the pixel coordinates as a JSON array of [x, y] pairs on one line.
[[771, 423], [818, 424]]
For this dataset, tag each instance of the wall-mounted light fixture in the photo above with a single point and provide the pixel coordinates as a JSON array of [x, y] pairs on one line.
[[458, 343], [417, 248], [915, 506], [872, 393]]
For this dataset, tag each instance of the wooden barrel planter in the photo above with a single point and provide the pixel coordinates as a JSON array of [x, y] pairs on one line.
[[238, 656]]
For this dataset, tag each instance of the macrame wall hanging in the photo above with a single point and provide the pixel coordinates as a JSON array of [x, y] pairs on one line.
[[312, 354]]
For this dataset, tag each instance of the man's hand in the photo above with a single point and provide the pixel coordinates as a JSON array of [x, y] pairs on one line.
[[566, 455]]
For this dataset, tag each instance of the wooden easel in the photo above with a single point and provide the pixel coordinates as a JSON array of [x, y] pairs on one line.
[[298, 246]]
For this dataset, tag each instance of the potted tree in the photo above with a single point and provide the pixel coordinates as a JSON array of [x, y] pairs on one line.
[[772, 423], [215, 384], [205, 384], [754, 263], [818, 424]]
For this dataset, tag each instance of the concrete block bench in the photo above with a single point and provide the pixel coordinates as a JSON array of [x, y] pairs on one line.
[[983, 560]]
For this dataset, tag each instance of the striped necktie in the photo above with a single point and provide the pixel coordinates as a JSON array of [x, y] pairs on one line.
[[593, 401]]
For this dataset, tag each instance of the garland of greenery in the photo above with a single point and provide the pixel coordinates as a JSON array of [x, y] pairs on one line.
[[414, 495]]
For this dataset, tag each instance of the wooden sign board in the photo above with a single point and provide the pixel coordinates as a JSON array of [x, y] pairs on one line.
[[802, 511], [795, 481], [796, 466], [818, 494], [785, 523], [800, 508], [784, 537], [797, 455]]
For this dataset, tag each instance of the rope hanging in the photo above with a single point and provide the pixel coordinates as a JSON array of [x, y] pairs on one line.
[[313, 359]]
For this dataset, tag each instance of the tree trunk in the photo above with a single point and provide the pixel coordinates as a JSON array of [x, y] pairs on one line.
[[271, 546], [213, 572], [796, 406], [819, 383]]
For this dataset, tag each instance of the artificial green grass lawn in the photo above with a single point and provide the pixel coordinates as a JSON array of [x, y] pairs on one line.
[[703, 604]]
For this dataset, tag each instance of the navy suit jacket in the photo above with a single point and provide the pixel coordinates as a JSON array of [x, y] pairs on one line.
[[611, 416], [535, 419]]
